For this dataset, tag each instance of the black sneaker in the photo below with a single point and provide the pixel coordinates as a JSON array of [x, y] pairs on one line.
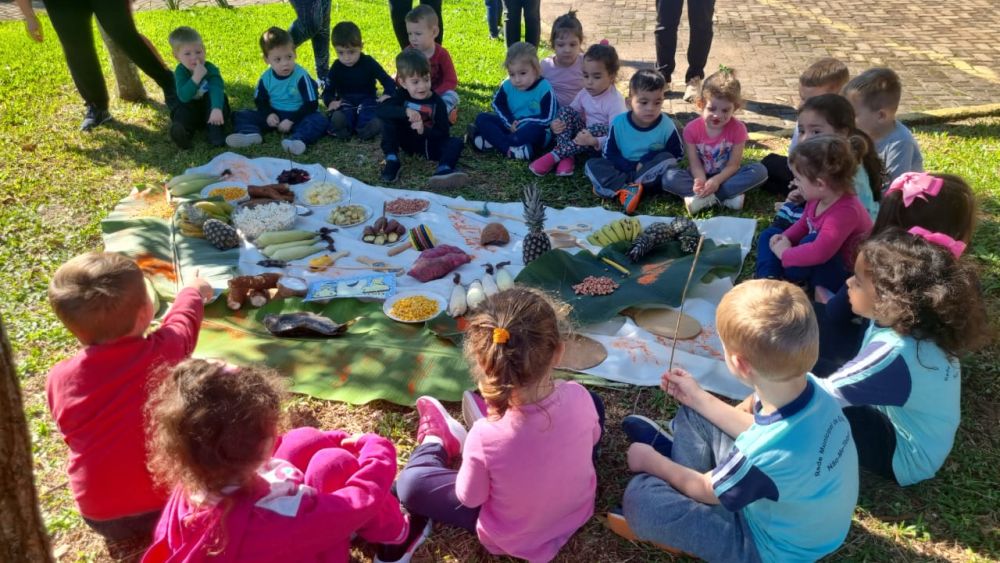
[[217, 135], [644, 431], [370, 130], [338, 125], [94, 117], [390, 171], [180, 135], [420, 528], [447, 179], [471, 132]]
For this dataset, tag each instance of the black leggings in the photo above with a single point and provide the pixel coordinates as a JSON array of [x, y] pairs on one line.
[[71, 20], [532, 21], [398, 10], [875, 438]]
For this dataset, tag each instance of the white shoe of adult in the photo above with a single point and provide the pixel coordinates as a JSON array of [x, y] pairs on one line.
[[693, 89]]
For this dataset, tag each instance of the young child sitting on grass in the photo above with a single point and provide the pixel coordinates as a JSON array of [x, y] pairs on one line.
[[564, 68], [582, 127], [825, 76], [527, 480], [200, 91], [875, 95], [350, 86], [779, 484], [97, 396], [902, 392], [523, 108], [242, 492], [286, 100], [415, 119], [642, 145], [422, 28], [714, 143]]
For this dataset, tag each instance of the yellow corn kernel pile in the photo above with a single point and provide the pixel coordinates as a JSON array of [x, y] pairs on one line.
[[415, 308], [228, 193], [160, 209]]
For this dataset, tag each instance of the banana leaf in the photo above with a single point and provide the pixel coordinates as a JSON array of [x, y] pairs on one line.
[[657, 279]]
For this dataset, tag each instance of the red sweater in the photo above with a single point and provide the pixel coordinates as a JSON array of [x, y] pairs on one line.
[[97, 398], [443, 77], [839, 229]]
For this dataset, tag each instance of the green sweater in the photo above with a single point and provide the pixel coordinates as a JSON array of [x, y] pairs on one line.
[[212, 83]]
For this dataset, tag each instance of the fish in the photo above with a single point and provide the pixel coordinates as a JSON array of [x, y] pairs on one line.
[[306, 325]]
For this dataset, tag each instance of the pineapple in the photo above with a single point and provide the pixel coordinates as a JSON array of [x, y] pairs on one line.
[[220, 235], [681, 229], [536, 242]]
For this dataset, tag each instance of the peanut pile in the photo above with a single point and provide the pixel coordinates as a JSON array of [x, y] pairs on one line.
[[405, 206], [592, 285]]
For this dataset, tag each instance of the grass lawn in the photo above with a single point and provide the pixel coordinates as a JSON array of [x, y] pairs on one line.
[[57, 184]]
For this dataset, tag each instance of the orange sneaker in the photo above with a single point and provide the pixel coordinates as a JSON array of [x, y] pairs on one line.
[[629, 197], [617, 523], [453, 115]]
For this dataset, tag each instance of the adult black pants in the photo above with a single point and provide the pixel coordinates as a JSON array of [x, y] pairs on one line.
[[668, 18], [532, 21], [398, 10]]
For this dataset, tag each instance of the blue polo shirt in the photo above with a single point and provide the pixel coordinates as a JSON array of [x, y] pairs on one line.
[[916, 385], [794, 477]]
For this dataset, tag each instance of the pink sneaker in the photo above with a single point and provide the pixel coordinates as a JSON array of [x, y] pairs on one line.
[[473, 407], [435, 421], [565, 166], [543, 165]]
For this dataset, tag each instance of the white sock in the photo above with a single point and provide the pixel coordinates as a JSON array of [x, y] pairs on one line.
[[431, 439]]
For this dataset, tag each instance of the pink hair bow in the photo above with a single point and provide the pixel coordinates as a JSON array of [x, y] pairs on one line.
[[956, 247], [914, 185]]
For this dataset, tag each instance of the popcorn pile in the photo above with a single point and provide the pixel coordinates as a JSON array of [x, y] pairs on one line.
[[254, 220]]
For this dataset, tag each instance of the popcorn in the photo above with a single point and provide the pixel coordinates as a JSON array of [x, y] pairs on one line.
[[257, 219]]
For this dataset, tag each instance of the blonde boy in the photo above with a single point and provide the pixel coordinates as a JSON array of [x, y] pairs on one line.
[[422, 28], [200, 89], [97, 396], [776, 485]]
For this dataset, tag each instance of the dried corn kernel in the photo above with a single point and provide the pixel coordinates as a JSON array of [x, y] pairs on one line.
[[160, 209], [415, 308], [228, 193]]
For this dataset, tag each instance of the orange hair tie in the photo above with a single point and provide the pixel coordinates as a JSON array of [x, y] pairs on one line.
[[500, 335]]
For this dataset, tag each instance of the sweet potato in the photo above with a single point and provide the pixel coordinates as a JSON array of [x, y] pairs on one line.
[[437, 262]]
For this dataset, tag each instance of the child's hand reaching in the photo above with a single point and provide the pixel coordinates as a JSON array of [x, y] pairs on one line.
[[285, 125], [273, 120], [779, 244], [198, 72], [681, 386], [586, 139], [558, 126], [334, 105], [215, 117], [202, 286]]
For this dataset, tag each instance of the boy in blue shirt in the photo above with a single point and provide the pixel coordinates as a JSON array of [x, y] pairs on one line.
[[776, 485], [350, 86], [642, 144], [415, 119], [286, 98]]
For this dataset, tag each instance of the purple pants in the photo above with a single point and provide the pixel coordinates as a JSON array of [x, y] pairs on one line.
[[327, 467], [565, 147]]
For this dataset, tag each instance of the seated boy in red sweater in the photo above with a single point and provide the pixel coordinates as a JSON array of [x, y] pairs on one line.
[[97, 396]]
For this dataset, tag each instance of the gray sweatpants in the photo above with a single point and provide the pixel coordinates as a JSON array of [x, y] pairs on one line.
[[659, 513]]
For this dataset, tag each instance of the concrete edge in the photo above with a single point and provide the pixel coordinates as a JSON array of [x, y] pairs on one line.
[[928, 117]]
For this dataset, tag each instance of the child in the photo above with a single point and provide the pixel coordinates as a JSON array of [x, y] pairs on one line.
[[642, 144], [97, 396], [715, 142], [818, 249], [875, 95], [422, 28], [286, 100], [415, 119], [901, 393], [825, 76], [350, 86], [242, 492], [779, 484], [526, 481], [582, 127], [523, 108], [564, 69], [832, 114], [200, 91], [940, 203]]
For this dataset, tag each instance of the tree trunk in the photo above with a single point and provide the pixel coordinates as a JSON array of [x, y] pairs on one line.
[[22, 531], [126, 74]]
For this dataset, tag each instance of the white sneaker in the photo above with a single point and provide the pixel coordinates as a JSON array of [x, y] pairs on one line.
[[293, 146], [693, 90], [240, 140], [481, 143], [694, 204], [735, 203], [520, 152]]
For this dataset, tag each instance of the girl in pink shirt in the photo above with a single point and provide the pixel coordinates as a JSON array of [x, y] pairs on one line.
[[582, 127], [527, 479], [564, 69], [244, 493], [819, 248]]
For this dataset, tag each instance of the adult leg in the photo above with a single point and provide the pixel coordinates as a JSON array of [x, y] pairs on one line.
[[494, 11], [768, 265], [668, 18], [532, 21], [700, 43], [604, 177], [397, 12], [512, 30], [494, 131], [875, 438], [115, 16], [436, 5], [426, 486], [321, 41], [748, 177], [72, 22]]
